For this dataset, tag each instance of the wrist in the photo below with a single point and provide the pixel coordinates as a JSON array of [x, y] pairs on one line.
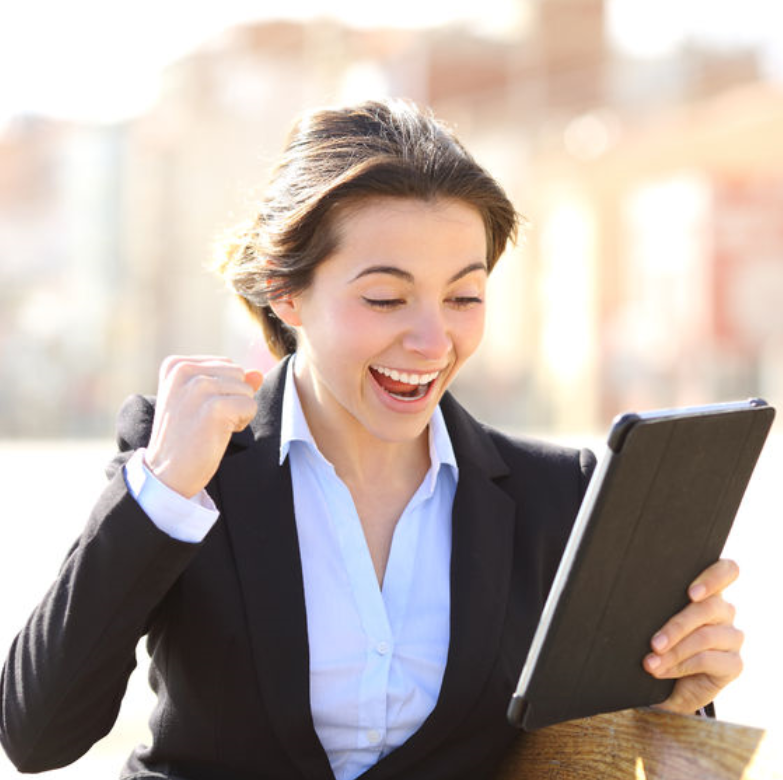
[[188, 520], [167, 474]]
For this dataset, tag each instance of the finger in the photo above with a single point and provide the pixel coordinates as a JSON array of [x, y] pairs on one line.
[[714, 579], [173, 363], [235, 410], [229, 383], [201, 378], [234, 378], [690, 694], [715, 610], [190, 365], [254, 378], [687, 656], [720, 665]]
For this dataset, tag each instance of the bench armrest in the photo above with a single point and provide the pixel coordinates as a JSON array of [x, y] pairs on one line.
[[645, 744]]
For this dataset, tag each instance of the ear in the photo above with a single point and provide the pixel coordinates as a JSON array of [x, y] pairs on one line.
[[287, 310]]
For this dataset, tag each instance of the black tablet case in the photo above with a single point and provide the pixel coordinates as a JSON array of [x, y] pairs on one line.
[[656, 514]]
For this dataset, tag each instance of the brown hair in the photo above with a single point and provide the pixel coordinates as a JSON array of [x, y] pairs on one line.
[[338, 157]]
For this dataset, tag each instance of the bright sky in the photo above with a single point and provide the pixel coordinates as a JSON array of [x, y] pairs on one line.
[[655, 28], [100, 59]]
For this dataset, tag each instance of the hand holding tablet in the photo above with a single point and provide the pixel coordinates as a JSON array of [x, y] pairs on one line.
[[656, 515]]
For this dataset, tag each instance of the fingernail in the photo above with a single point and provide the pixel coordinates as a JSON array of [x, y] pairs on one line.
[[653, 662], [697, 591], [659, 642]]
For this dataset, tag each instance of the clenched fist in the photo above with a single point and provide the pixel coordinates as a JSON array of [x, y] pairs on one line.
[[201, 402]]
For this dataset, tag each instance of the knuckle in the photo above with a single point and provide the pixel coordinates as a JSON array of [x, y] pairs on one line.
[[202, 382], [714, 609], [218, 405], [718, 611], [712, 637], [167, 365], [732, 568], [177, 370], [677, 626], [681, 668], [730, 611], [232, 407], [725, 572], [700, 662], [248, 410]]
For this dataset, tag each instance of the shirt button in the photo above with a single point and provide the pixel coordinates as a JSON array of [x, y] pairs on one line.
[[382, 648], [373, 736]]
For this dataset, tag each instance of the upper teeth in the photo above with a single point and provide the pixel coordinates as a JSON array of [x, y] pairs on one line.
[[408, 379]]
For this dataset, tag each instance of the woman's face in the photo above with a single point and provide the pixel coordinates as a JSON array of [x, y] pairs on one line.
[[390, 317]]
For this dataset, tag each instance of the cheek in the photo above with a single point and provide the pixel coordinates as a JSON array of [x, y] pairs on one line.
[[468, 334], [355, 332]]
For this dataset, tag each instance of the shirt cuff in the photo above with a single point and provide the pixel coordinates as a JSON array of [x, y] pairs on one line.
[[185, 519]]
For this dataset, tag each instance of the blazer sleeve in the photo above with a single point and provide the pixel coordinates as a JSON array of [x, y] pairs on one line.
[[67, 670]]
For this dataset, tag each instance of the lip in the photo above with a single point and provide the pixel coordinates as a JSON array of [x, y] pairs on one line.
[[398, 405]]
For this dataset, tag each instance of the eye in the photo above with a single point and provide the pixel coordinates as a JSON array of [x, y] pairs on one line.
[[465, 301], [383, 303]]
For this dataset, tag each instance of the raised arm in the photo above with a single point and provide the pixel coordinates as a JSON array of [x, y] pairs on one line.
[[67, 670]]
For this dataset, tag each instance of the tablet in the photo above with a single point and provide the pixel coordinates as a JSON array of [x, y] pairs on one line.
[[656, 513]]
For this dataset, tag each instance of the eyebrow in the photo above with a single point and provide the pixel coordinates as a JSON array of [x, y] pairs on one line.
[[406, 276]]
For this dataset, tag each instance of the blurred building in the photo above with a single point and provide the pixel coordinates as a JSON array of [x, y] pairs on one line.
[[649, 275], [679, 219], [61, 272]]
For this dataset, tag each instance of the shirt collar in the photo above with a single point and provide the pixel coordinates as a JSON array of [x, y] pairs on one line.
[[294, 427], [293, 424]]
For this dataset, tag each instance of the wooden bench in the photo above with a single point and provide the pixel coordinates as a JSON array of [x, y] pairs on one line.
[[645, 745]]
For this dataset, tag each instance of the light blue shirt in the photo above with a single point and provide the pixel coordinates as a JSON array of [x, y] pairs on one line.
[[377, 655]]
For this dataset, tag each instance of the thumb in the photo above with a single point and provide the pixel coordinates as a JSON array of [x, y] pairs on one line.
[[254, 378]]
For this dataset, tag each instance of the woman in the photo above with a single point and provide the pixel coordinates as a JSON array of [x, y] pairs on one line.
[[338, 569]]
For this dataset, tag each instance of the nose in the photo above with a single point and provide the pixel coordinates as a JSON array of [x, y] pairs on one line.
[[428, 334]]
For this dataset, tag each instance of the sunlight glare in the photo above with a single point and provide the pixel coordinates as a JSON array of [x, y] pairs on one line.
[[568, 238], [101, 60], [645, 29]]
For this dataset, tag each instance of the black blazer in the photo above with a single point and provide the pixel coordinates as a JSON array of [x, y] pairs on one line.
[[226, 626]]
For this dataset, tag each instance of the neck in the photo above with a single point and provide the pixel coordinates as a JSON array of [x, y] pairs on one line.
[[360, 457]]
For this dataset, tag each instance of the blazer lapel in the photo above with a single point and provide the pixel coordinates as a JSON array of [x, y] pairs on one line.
[[257, 503], [481, 563]]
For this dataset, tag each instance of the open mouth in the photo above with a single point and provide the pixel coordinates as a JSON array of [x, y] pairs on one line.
[[402, 385]]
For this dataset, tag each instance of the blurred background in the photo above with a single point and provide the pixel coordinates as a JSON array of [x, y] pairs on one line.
[[643, 141]]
